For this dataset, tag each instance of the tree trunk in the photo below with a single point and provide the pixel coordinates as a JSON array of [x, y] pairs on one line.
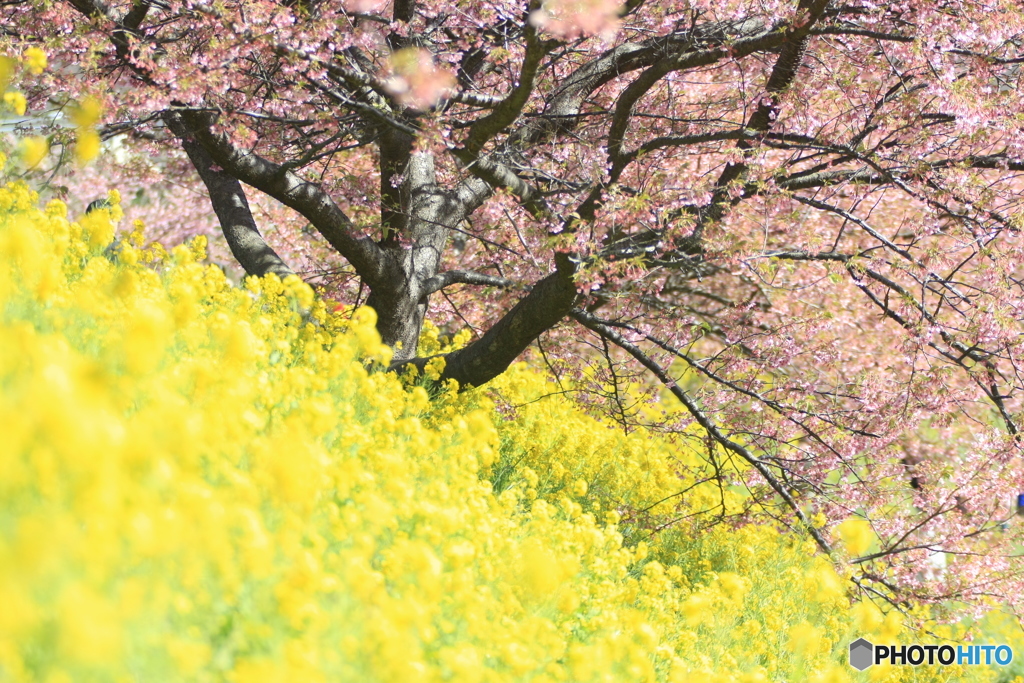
[[413, 244]]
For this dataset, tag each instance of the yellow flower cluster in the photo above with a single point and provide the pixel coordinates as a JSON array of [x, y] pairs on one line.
[[85, 115], [31, 151], [35, 60], [200, 482]]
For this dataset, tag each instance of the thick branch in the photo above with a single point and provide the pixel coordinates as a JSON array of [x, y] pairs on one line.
[[464, 277], [508, 110], [395, 150], [232, 209], [563, 108], [782, 76], [292, 191], [496, 175], [688, 60], [548, 302]]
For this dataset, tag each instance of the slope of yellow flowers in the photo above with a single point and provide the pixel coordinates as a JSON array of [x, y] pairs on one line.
[[200, 482]]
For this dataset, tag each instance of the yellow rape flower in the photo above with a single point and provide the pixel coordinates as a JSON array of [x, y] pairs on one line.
[[867, 616], [15, 102], [804, 640], [86, 113], [35, 60], [33, 150], [856, 535], [87, 146], [434, 367], [198, 245], [6, 70]]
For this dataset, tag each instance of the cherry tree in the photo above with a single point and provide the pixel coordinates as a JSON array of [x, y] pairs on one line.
[[800, 219]]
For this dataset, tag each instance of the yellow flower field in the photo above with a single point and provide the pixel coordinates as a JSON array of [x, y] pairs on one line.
[[200, 482]]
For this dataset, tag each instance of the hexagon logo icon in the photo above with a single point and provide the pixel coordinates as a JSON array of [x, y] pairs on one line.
[[861, 654]]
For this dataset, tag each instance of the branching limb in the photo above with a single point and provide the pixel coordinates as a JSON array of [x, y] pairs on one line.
[[497, 174], [509, 109], [592, 323], [548, 302], [232, 208], [292, 191], [562, 112], [783, 75], [464, 277], [866, 176], [273, 179], [652, 75]]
